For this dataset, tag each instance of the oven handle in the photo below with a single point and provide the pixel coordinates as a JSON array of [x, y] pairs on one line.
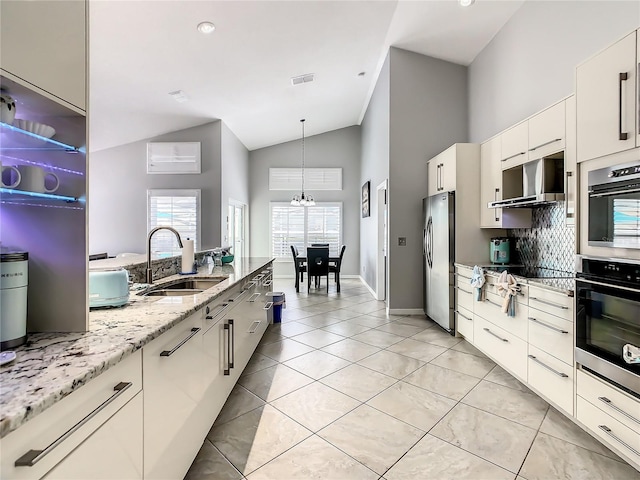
[[614, 192], [629, 289]]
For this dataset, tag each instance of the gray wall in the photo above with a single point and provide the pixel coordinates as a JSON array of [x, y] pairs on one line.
[[118, 185], [338, 148], [428, 114], [530, 64], [235, 176], [374, 167]]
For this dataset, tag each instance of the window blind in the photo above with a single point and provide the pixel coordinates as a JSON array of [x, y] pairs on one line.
[[314, 179], [179, 209]]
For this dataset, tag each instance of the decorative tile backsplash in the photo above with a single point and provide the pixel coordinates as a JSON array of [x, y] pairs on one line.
[[548, 244]]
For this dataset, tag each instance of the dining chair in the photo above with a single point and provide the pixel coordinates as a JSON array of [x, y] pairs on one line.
[[335, 267], [300, 268], [317, 265], [320, 245]]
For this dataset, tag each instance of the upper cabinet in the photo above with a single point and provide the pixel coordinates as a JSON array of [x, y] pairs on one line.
[[547, 131], [514, 148], [490, 183], [43, 44], [441, 171], [607, 101]]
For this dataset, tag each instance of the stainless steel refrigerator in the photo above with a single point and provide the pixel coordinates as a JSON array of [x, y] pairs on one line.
[[438, 244]]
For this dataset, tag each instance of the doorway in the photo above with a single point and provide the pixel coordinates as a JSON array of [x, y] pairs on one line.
[[381, 244], [236, 227]]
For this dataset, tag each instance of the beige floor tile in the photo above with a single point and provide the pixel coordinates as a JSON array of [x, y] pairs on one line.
[[442, 381], [317, 364], [416, 406], [358, 382], [210, 464], [493, 438], [500, 376], [315, 406], [258, 362], [342, 314], [274, 382], [240, 401], [415, 349], [466, 347], [270, 337], [559, 426], [389, 317], [313, 458], [525, 408], [292, 329], [320, 307], [346, 328], [438, 337], [392, 364], [318, 338], [351, 350], [400, 329], [415, 320], [320, 320], [369, 321], [378, 338], [284, 350], [367, 307], [377, 448], [435, 459], [464, 363], [289, 314], [251, 440], [551, 457]]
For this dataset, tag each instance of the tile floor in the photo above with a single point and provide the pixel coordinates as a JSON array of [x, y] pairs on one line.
[[339, 390]]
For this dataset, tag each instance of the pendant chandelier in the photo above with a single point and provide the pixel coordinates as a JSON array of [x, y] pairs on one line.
[[302, 199]]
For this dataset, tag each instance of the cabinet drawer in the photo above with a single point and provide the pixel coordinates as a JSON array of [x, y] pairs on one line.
[[464, 323], [552, 334], [503, 347], [515, 143], [98, 395], [551, 302], [612, 401], [609, 430], [464, 274], [464, 296], [491, 309], [552, 378]]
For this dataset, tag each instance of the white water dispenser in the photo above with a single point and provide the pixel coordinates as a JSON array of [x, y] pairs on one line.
[[13, 298]]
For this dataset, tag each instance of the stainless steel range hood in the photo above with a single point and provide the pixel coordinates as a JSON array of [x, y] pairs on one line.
[[542, 183]]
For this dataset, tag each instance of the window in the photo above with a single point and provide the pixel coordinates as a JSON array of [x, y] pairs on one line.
[[302, 226], [179, 209], [290, 179]]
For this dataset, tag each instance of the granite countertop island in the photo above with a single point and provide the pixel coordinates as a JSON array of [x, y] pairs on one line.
[[52, 365]]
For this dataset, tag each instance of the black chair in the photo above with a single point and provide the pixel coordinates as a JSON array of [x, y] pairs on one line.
[[317, 265], [335, 267], [299, 266], [320, 245]]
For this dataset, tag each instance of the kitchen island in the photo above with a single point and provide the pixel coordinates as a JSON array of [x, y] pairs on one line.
[[50, 367]]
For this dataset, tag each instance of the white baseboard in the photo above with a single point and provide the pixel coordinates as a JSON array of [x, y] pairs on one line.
[[371, 290], [406, 311]]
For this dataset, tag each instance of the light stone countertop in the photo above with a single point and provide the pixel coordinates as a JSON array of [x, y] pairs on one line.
[[52, 365]]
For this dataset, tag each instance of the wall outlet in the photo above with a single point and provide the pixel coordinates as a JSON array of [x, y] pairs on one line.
[[402, 241], [364, 268]]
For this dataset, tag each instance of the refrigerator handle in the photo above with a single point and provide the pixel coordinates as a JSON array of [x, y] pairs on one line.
[[430, 242], [424, 241]]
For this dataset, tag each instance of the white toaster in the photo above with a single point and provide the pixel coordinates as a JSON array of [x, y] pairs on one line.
[[108, 287]]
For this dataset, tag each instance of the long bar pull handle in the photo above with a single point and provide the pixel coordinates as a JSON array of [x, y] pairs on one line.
[[168, 353], [621, 78], [253, 297], [612, 405], [222, 308], [564, 307], [463, 276], [545, 144], [267, 283], [254, 326], [550, 327], [513, 156], [227, 370], [638, 92], [614, 192], [235, 299], [267, 306], [495, 199], [544, 365], [232, 335], [424, 241], [498, 337], [568, 214], [492, 303], [462, 289], [463, 316], [32, 457], [608, 431]]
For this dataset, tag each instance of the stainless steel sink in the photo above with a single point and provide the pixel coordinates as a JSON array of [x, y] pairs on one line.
[[187, 286], [171, 293]]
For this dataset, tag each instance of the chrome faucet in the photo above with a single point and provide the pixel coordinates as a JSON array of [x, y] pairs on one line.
[[149, 271]]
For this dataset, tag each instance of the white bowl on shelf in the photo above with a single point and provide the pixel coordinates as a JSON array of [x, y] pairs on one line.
[[35, 127]]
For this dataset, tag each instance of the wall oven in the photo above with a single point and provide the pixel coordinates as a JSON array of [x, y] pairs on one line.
[[614, 206], [608, 320]]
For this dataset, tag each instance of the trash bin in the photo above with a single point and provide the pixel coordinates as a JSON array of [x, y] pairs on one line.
[[274, 314]]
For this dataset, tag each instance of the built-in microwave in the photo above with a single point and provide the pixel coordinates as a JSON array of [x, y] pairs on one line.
[[614, 206]]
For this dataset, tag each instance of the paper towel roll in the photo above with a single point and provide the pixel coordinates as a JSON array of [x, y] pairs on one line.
[[188, 256]]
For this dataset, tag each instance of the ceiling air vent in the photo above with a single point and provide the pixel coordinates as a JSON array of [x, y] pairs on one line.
[[300, 79]]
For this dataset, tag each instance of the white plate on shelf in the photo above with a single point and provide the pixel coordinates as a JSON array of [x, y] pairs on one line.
[[6, 357], [35, 127]]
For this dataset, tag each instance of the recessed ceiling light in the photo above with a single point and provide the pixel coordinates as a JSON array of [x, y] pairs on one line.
[[179, 96], [466, 3], [206, 27]]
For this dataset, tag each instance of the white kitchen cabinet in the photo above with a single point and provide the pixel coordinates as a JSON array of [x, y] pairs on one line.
[[552, 378], [433, 177], [555, 303], [112, 452], [552, 334], [570, 165], [501, 346], [43, 43], [442, 172], [607, 101], [174, 388], [547, 131], [515, 146], [491, 309], [55, 435]]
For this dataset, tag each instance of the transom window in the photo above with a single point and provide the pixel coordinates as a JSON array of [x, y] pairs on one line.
[[179, 209], [302, 226]]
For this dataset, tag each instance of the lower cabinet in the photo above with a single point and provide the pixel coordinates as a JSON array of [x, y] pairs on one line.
[[552, 378], [504, 347]]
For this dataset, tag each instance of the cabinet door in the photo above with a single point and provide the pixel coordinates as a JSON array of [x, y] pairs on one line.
[[433, 177], [606, 101], [515, 146], [448, 171], [216, 342], [114, 451], [570, 165], [490, 186], [547, 131], [173, 390], [44, 44]]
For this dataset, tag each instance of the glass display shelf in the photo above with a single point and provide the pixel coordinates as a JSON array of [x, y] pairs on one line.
[[17, 195], [14, 138]]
